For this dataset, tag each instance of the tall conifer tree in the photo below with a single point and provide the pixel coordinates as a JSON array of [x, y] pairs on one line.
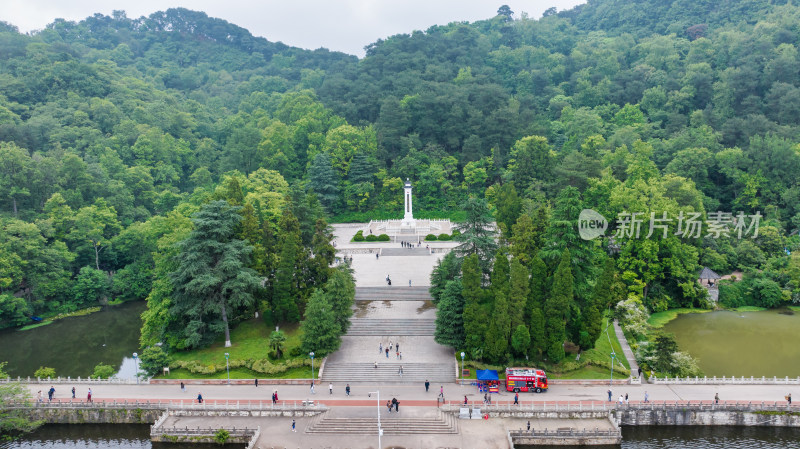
[[557, 309]]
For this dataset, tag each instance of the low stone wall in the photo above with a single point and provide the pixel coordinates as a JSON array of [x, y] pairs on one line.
[[290, 413], [94, 415], [752, 380], [706, 417]]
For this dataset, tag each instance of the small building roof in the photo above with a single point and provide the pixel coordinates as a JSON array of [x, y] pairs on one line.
[[708, 273]]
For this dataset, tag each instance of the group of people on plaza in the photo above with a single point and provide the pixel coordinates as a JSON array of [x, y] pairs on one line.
[[51, 394], [392, 347]]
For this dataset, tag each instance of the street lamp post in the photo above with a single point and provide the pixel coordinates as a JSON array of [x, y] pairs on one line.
[[228, 367], [462, 367], [311, 354], [380, 431], [136, 366], [613, 354]]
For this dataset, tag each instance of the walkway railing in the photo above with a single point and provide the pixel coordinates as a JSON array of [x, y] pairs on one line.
[[70, 380], [202, 431], [565, 433], [733, 380], [171, 405], [601, 406]]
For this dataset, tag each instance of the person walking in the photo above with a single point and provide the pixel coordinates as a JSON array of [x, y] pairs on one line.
[[626, 398], [39, 397], [376, 364], [347, 390], [409, 282], [387, 353], [427, 385], [312, 387], [389, 405], [465, 399], [330, 388], [397, 354], [293, 426], [397, 406], [199, 398], [609, 395], [400, 371], [89, 396], [380, 348], [789, 398], [646, 397], [529, 425], [256, 381], [516, 398], [716, 398], [441, 392], [485, 398], [273, 398], [73, 392], [183, 387], [50, 393], [397, 347], [621, 399]]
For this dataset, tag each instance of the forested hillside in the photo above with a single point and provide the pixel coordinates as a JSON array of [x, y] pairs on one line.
[[116, 132]]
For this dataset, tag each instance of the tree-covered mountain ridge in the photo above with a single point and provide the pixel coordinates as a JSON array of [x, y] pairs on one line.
[[114, 132]]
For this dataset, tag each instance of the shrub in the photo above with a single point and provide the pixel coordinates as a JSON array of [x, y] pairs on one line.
[[44, 372], [384, 238], [359, 237], [444, 237], [455, 233], [153, 360], [430, 237], [221, 436], [372, 238], [103, 371]]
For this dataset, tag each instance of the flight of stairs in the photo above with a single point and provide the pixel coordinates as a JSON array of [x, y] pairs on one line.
[[445, 423], [390, 252], [390, 327], [387, 372], [393, 293]]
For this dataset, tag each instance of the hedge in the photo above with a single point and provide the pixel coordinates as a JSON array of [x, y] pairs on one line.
[[384, 238], [444, 237], [430, 237], [372, 238], [359, 237], [263, 366]]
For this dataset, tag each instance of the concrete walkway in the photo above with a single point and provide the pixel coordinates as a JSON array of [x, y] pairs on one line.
[[626, 350]]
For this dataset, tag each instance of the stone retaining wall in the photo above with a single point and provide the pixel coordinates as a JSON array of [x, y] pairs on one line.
[[94, 415], [695, 417], [232, 382]]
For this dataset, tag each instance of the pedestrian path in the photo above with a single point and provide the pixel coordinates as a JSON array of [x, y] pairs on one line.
[[626, 350]]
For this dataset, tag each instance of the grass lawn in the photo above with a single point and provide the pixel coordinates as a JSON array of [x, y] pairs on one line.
[[601, 352], [249, 340], [588, 372], [302, 372], [794, 308], [659, 319]]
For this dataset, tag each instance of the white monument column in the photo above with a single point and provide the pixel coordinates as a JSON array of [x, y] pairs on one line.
[[408, 218]]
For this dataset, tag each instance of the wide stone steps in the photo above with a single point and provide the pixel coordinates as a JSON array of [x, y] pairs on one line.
[[393, 293], [391, 425], [391, 252], [387, 371], [390, 327]]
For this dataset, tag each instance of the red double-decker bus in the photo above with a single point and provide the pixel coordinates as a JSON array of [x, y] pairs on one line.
[[526, 379]]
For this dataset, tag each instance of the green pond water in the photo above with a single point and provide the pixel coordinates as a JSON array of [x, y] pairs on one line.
[[74, 346], [741, 343]]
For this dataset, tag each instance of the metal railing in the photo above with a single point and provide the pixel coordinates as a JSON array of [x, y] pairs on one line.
[[733, 380]]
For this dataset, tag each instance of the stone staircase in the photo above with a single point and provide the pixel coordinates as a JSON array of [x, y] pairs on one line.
[[387, 372], [393, 293], [445, 423], [390, 327], [391, 252]]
